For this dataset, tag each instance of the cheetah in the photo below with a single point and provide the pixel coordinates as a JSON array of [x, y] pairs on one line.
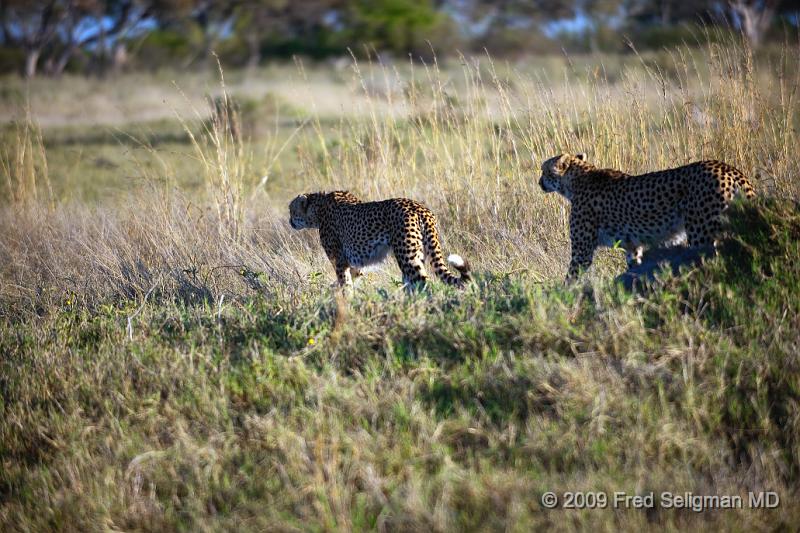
[[356, 234], [610, 207]]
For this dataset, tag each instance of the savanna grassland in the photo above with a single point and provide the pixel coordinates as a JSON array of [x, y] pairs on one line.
[[173, 356]]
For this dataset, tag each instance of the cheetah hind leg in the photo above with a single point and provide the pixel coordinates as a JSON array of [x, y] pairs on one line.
[[413, 269]]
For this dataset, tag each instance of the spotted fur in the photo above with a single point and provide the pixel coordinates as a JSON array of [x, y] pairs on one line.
[[356, 234], [670, 206]]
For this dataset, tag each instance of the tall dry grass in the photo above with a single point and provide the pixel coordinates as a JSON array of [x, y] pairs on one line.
[[23, 164], [160, 240], [466, 141], [473, 151]]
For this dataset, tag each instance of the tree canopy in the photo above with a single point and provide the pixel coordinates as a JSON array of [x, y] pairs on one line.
[[51, 36]]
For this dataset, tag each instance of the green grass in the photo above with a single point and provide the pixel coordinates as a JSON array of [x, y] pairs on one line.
[[444, 410], [172, 356]]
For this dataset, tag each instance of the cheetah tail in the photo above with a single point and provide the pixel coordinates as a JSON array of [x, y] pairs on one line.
[[433, 250], [446, 274], [460, 264]]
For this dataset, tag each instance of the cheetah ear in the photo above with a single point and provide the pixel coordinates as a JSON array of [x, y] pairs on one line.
[[303, 201], [581, 156]]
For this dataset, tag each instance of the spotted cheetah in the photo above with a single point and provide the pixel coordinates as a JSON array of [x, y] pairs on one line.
[[356, 234], [610, 207]]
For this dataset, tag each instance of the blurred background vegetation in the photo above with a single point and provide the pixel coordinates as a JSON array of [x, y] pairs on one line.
[[173, 359], [97, 37]]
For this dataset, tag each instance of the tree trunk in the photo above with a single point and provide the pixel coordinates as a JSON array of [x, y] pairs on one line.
[[594, 45], [749, 25], [119, 57], [101, 54], [31, 62], [666, 13], [254, 50], [63, 59], [754, 20]]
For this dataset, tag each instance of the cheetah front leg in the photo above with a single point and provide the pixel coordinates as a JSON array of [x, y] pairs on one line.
[[579, 263], [343, 276], [583, 235], [333, 249]]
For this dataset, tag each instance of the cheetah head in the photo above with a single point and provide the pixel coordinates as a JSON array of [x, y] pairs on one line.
[[558, 171], [303, 212]]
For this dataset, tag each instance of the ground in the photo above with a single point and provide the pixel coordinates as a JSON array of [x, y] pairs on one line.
[[174, 357]]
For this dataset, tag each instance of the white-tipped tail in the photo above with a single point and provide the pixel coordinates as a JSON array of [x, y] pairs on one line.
[[456, 260]]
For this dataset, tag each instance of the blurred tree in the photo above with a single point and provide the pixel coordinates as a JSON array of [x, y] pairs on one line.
[[304, 27], [507, 13], [46, 35], [255, 18], [511, 26], [754, 17], [62, 28], [397, 26], [76, 16], [213, 18], [605, 19], [100, 26], [31, 25], [668, 12]]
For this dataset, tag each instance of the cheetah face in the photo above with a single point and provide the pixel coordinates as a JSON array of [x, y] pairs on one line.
[[555, 173], [301, 214]]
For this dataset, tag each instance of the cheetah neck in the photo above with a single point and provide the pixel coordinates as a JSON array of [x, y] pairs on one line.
[[580, 168], [576, 170]]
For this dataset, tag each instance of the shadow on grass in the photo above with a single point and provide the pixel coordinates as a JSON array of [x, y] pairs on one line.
[[750, 293]]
